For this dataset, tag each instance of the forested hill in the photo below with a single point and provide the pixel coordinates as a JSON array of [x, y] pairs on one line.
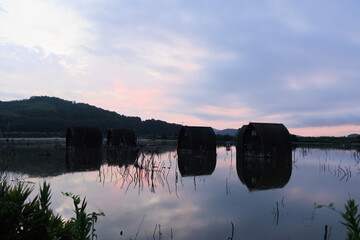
[[48, 116]]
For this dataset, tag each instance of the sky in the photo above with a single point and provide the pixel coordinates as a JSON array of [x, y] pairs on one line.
[[206, 63]]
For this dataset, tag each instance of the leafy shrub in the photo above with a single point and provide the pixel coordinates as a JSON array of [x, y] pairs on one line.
[[352, 220], [35, 220]]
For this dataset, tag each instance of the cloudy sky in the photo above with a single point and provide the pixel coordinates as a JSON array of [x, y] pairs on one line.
[[210, 63]]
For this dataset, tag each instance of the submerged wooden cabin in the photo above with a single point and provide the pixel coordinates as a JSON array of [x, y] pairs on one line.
[[263, 139], [197, 139], [121, 138], [263, 155], [83, 137]]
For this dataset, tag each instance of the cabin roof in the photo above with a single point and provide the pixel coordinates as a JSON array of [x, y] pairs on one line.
[[271, 134]]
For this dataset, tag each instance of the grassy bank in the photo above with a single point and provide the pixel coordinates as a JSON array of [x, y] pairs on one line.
[[327, 142]]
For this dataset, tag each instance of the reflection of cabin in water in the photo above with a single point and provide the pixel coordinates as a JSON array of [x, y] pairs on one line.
[[121, 138], [196, 165], [263, 140], [196, 139], [83, 137], [83, 160], [120, 158], [259, 173]]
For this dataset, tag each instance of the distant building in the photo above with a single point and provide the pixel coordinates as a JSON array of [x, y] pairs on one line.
[[263, 139], [121, 138], [197, 139], [83, 138], [263, 155]]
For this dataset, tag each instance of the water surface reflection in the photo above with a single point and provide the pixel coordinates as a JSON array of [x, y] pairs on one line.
[[83, 160], [196, 163], [154, 187], [262, 173]]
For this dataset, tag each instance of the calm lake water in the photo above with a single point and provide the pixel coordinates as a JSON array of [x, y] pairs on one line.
[[158, 196]]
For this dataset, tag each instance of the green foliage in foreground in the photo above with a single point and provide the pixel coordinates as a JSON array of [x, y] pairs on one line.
[[351, 218], [35, 220]]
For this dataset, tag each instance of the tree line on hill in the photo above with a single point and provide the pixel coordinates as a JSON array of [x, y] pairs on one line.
[[51, 116], [44, 116]]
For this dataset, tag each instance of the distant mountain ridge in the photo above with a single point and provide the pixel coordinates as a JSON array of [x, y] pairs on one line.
[[51, 114], [227, 131]]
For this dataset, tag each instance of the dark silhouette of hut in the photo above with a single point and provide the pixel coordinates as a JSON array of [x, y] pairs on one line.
[[263, 139], [197, 139], [195, 165], [121, 138], [83, 137], [260, 173]]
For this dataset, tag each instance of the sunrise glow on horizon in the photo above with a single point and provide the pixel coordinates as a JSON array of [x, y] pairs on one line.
[[218, 64]]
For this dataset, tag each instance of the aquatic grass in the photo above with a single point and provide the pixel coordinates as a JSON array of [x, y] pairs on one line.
[[232, 231], [145, 172]]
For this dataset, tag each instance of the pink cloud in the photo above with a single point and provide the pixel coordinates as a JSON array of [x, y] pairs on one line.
[[326, 131]]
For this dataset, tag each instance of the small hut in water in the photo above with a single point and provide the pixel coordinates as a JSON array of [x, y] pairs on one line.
[[121, 138], [263, 140], [196, 139], [83, 137], [263, 155]]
